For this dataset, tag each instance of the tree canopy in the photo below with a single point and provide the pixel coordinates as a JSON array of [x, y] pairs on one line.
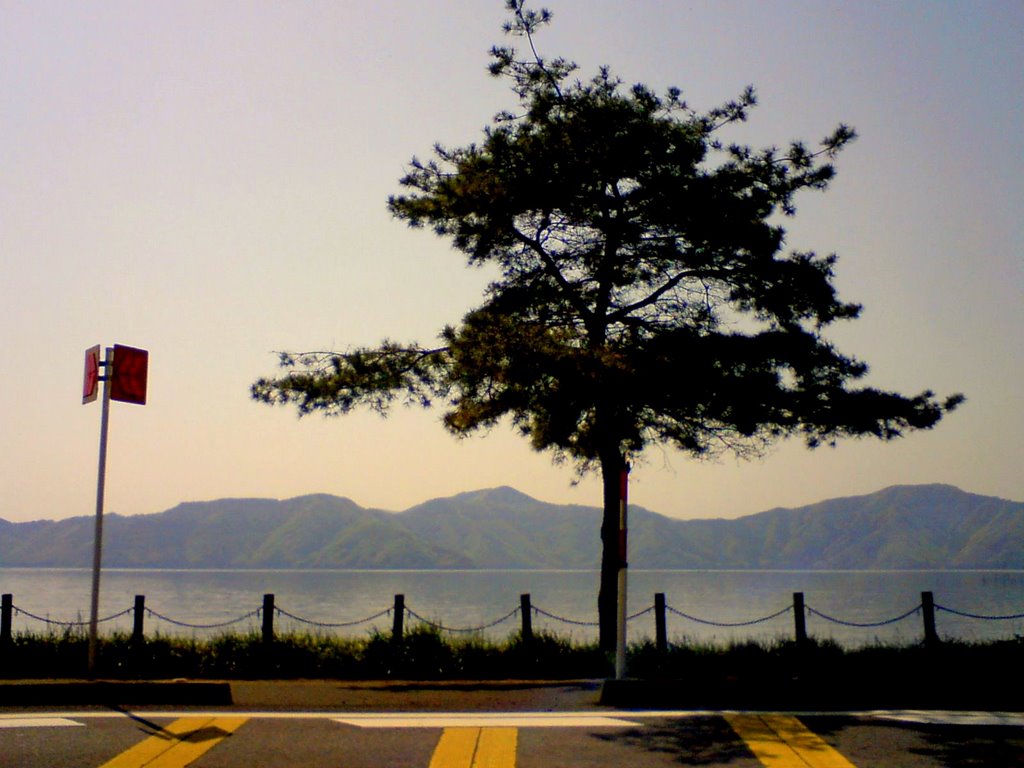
[[645, 294]]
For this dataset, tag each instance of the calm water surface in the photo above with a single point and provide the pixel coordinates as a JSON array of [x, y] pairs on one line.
[[462, 599]]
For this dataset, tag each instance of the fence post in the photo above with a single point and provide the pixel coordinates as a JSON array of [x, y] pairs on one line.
[[138, 619], [931, 637], [268, 618], [799, 618], [660, 634], [6, 615], [527, 617], [399, 618]]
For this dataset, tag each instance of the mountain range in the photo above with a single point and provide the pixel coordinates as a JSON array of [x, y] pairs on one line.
[[902, 527]]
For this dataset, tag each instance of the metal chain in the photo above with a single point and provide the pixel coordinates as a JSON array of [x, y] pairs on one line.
[[443, 628], [865, 625], [542, 612], [21, 612], [332, 625], [730, 624], [638, 614], [978, 616], [228, 623]]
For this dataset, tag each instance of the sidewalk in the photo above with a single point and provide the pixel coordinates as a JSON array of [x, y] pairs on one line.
[[333, 695]]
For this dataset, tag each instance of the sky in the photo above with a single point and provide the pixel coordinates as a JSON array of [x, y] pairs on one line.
[[207, 181]]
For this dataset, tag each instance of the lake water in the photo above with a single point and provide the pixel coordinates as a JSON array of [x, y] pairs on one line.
[[464, 599]]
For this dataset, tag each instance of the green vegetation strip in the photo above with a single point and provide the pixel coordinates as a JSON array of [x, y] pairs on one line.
[[753, 674]]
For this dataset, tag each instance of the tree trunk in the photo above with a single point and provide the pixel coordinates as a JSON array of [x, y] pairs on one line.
[[612, 464]]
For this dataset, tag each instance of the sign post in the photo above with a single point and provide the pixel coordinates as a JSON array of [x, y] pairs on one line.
[[125, 380]]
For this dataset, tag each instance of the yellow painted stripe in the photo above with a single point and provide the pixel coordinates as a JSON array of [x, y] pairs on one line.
[[178, 744], [781, 741], [146, 751], [455, 748], [475, 748], [496, 748]]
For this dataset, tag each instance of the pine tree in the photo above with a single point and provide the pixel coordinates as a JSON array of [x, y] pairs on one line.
[[644, 296]]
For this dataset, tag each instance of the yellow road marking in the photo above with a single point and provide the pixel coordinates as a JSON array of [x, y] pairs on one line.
[[781, 741], [464, 747], [496, 748], [455, 748], [178, 744]]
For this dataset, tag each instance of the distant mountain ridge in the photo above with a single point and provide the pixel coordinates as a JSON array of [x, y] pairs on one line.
[[901, 527]]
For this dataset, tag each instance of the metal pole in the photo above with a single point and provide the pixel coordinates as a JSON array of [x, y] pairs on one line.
[[931, 636], [620, 640], [139, 616], [526, 615], [799, 618], [660, 633], [97, 551], [398, 619], [6, 613], [268, 618]]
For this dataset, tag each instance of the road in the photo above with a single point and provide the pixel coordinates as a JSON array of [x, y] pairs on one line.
[[416, 731]]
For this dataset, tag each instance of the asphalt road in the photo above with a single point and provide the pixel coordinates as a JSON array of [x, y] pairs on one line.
[[496, 725]]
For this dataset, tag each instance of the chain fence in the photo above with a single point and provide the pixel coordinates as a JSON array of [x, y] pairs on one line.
[[730, 624], [332, 624], [979, 616], [660, 608], [462, 630], [69, 624], [215, 625], [865, 625]]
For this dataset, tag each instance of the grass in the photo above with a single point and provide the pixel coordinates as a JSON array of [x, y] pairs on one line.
[[424, 653]]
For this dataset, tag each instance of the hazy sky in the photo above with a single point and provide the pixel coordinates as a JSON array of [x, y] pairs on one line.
[[208, 181]]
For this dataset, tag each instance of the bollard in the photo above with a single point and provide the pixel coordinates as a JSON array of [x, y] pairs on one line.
[[799, 618], [399, 618], [931, 637], [268, 619], [526, 612], [6, 616], [660, 633], [138, 618]]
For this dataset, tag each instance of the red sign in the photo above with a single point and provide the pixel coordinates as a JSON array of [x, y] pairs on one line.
[[91, 382], [128, 380]]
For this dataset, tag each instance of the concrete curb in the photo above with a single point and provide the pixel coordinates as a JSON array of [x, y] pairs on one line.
[[104, 692]]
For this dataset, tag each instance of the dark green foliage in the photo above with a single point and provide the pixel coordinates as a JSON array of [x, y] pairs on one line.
[[821, 675], [781, 658], [644, 293], [548, 656], [631, 239], [426, 653], [421, 653], [780, 674]]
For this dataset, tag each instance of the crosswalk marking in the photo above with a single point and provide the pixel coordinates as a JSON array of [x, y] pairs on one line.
[[782, 741], [178, 744], [568, 719], [36, 722], [463, 747], [485, 720]]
